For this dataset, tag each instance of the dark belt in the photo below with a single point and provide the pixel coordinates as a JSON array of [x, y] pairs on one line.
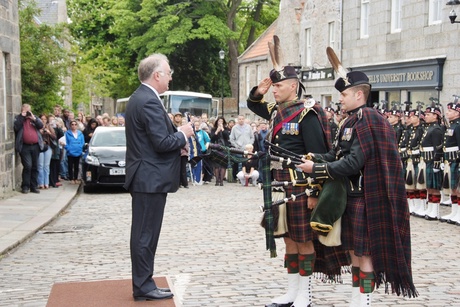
[[30, 144]]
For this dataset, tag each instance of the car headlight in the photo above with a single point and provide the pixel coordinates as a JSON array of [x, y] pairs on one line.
[[92, 160]]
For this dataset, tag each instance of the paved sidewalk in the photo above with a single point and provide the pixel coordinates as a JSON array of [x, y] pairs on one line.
[[22, 215]]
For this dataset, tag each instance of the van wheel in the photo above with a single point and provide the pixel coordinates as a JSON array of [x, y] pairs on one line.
[[87, 189]]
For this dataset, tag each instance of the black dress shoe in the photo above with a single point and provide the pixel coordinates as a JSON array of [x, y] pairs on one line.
[[164, 289], [280, 305], [35, 191], [156, 294], [24, 191]]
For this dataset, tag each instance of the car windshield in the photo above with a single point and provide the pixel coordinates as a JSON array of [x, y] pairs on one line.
[[109, 138]]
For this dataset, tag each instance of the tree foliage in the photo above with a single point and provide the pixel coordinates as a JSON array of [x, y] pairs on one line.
[[44, 60], [114, 35]]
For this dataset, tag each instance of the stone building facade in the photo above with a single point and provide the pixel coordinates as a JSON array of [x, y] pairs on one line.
[[10, 95], [408, 48]]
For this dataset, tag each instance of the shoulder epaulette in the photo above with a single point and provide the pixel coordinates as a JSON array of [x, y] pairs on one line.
[[305, 112], [271, 106]]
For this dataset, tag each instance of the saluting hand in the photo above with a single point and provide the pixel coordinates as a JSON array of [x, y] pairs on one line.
[[263, 87]]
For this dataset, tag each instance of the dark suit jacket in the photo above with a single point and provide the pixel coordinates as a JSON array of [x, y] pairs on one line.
[[152, 145]]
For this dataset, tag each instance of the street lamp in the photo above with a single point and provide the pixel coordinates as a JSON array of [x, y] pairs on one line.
[[452, 14], [222, 56]]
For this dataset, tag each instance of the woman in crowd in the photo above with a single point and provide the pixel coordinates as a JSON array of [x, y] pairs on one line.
[[114, 121], [55, 162], [220, 135], [44, 159], [89, 130], [74, 142], [203, 138], [195, 152], [81, 121]]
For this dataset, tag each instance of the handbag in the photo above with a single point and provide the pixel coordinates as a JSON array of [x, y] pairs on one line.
[[45, 147]]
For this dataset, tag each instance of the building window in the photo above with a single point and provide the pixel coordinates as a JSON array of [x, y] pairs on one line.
[[308, 61], [364, 19], [435, 12], [247, 79], [331, 28], [258, 74], [395, 16]]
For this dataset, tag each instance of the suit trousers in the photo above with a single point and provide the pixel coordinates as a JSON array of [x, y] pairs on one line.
[[147, 218]]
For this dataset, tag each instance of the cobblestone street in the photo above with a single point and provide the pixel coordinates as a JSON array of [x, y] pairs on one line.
[[212, 249]]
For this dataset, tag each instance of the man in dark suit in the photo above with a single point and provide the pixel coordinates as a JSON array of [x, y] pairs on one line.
[[152, 169]]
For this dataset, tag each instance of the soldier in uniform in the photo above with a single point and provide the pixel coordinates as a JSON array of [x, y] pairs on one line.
[[451, 157], [402, 148], [367, 156], [431, 154], [415, 193], [330, 113], [298, 129], [394, 118]]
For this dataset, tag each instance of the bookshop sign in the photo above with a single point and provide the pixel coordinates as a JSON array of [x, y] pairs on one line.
[[406, 75]]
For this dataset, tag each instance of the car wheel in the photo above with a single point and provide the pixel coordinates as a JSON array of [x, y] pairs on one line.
[[87, 189]]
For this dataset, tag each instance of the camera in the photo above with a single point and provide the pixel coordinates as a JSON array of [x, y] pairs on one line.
[[28, 113]]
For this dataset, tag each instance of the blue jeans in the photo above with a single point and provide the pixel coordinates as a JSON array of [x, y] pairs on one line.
[[29, 159], [64, 171], [44, 160]]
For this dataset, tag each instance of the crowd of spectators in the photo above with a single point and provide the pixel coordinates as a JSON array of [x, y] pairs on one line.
[[56, 152], [64, 133], [239, 133]]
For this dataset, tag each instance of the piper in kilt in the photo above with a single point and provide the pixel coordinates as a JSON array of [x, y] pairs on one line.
[[451, 157], [431, 153], [299, 129], [415, 193], [375, 225]]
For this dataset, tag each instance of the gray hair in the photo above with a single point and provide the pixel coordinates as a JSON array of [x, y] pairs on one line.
[[149, 65]]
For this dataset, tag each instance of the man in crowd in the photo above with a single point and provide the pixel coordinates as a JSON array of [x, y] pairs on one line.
[[29, 143], [240, 135]]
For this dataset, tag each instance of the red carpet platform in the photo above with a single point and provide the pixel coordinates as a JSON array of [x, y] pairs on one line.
[[113, 293]]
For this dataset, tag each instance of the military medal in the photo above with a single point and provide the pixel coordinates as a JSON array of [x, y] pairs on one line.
[[283, 130], [347, 132], [296, 129]]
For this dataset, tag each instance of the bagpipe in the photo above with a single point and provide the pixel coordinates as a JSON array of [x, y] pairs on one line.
[[326, 216]]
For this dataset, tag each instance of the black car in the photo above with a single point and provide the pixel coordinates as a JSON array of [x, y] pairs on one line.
[[104, 159]]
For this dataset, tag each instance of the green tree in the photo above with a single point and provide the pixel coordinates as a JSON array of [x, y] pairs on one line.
[[44, 60], [116, 34]]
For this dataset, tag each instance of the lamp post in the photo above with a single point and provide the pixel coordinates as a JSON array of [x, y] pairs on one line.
[[222, 56], [452, 14]]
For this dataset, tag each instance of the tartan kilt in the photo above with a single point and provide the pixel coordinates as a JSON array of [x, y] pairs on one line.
[[354, 227], [433, 180], [298, 214]]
